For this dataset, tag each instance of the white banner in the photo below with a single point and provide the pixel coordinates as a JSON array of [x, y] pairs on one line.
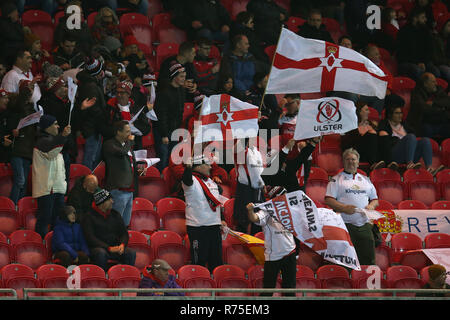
[[321, 229], [324, 116], [30, 119], [303, 65]]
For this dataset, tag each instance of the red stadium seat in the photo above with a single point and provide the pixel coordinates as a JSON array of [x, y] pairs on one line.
[[385, 205], [366, 272], [92, 276], [172, 214], [53, 276], [331, 271], [228, 213], [412, 204], [128, 20], [239, 255], [424, 275], [90, 19], [310, 258], [330, 160], [441, 205], [442, 83], [237, 6], [139, 243], [294, 22], [333, 27], [6, 179], [99, 172], [383, 257], [437, 240], [402, 242], [256, 272], [152, 186], [415, 259], [199, 283], [124, 276], [9, 217], [18, 276], [383, 174], [395, 273], [192, 271], [163, 51], [304, 272], [28, 248], [364, 284], [270, 51], [171, 34], [407, 283], [338, 283], [445, 147], [392, 191], [27, 208], [443, 183], [227, 271], [403, 86], [160, 20], [307, 283], [168, 245], [316, 186], [5, 251], [144, 217]]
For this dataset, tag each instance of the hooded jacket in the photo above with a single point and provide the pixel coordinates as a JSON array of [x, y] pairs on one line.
[[68, 237]]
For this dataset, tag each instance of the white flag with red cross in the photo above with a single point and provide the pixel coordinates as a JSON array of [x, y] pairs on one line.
[[223, 117], [303, 65]]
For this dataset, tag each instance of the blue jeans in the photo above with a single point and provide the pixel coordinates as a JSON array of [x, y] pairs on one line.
[[92, 151], [123, 203], [49, 207], [21, 168], [100, 257], [409, 149]]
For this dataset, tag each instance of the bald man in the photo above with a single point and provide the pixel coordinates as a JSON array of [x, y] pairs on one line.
[[82, 195]]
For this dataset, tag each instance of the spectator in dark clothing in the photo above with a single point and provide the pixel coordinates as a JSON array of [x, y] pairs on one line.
[[67, 56], [105, 233], [90, 114], [314, 28], [157, 276], [226, 85], [245, 24], [426, 5], [68, 243], [207, 19], [12, 35], [169, 107], [430, 109], [269, 18], [5, 133], [81, 195], [140, 6], [38, 54], [356, 21], [440, 56], [414, 41], [437, 280], [82, 35], [207, 67], [106, 25], [241, 64]]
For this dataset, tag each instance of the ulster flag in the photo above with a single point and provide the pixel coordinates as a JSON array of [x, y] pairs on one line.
[[306, 66], [224, 116]]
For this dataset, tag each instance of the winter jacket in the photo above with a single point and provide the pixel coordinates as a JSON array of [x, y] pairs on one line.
[[307, 31], [104, 230], [267, 19], [413, 44], [242, 69], [141, 123], [169, 108], [49, 173], [151, 282], [69, 237], [80, 199], [11, 37], [74, 61]]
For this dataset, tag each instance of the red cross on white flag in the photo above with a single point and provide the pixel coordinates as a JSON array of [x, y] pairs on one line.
[[222, 113], [304, 65]]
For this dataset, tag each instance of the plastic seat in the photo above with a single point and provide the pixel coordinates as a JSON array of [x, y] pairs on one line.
[[144, 217], [48, 245], [99, 172], [366, 272], [404, 241], [338, 283], [124, 276], [333, 27], [132, 19], [407, 283], [420, 185], [92, 276], [228, 213], [424, 275], [437, 240], [168, 245], [364, 284], [411, 204], [6, 179], [270, 51], [28, 248], [199, 283], [392, 191], [5, 251], [395, 273], [443, 183], [441, 205], [383, 257], [294, 22], [227, 271], [304, 272], [192, 271], [385, 205], [163, 51], [139, 243], [9, 217], [308, 257], [41, 24], [384, 174], [236, 7], [256, 272], [331, 271], [240, 283], [171, 34], [316, 190], [239, 255], [330, 160], [152, 186], [403, 86], [53, 276], [76, 171], [172, 214], [18, 276], [35, 16], [27, 208], [160, 20], [307, 283], [415, 259], [445, 148]]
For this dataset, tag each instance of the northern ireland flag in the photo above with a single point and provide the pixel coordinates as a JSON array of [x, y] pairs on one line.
[[304, 65], [324, 116], [321, 229], [223, 117]]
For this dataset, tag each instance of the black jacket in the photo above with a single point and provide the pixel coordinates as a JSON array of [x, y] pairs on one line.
[[75, 60], [80, 199], [101, 232], [414, 44], [169, 107], [11, 37], [307, 31], [267, 19]]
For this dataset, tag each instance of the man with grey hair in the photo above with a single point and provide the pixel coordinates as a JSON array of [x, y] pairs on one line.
[[348, 193]]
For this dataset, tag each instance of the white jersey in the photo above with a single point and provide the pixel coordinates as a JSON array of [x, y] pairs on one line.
[[198, 211], [353, 189], [278, 241]]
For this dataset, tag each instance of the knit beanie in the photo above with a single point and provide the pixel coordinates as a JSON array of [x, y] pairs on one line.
[[53, 84], [125, 85], [101, 196], [93, 66], [46, 121]]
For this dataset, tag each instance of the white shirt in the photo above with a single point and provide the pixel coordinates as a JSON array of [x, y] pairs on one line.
[[255, 167], [12, 78], [278, 241], [198, 211], [355, 190]]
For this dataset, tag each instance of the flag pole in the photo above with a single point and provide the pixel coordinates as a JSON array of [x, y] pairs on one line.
[[271, 66]]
